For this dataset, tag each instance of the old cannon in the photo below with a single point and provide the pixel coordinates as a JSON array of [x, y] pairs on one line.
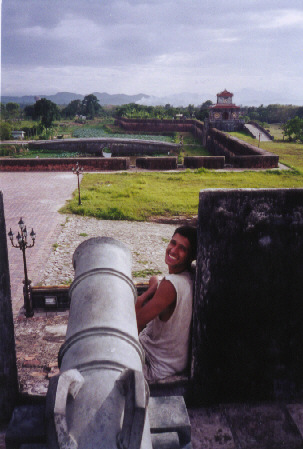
[[100, 398]]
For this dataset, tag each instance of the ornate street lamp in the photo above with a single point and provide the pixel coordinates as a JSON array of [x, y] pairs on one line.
[[78, 171], [22, 244]]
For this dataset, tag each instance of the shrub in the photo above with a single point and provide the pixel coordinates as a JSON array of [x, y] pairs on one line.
[[7, 150], [5, 131]]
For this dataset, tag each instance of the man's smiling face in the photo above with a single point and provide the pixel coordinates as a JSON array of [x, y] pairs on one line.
[[177, 255]]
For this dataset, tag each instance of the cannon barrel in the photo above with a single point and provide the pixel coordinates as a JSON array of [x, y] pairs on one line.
[[101, 396]]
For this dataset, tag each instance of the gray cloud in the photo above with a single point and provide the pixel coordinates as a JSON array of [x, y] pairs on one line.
[[152, 45]]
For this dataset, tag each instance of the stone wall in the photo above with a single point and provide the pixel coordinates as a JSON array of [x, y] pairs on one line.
[[211, 162], [8, 367], [239, 153], [228, 125], [155, 125], [157, 163], [248, 309], [64, 164], [95, 146]]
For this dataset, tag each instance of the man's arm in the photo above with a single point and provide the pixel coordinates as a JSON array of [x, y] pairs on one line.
[[148, 294], [164, 297]]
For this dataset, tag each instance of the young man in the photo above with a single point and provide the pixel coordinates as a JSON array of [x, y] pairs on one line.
[[164, 311]]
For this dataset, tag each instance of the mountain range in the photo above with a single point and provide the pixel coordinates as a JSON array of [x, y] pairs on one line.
[[64, 98], [243, 97]]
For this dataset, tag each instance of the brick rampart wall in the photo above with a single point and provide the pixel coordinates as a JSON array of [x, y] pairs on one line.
[[64, 164], [236, 152], [212, 162], [155, 125], [239, 153], [157, 163]]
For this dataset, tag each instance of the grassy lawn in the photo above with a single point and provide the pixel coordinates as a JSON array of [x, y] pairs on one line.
[[191, 145], [46, 154], [141, 196], [290, 153]]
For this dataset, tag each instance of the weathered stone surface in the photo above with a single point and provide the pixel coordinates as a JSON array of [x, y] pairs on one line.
[[165, 441], [157, 163], [26, 426], [8, 367], [169, 414], [213, 162], [64, 164], [296, 413], [263, 427], [210, 429], [248, 310], [33, 446]]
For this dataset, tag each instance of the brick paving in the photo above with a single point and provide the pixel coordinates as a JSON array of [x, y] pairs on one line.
[[36, 197]]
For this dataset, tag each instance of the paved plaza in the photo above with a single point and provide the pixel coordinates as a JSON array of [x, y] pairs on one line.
[[36, 197]]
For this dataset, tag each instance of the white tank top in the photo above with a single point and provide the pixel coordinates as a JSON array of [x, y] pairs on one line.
[[166, 342]]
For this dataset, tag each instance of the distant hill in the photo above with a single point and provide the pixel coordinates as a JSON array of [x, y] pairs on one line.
[[243, 97], [118, 99], [64, 98]]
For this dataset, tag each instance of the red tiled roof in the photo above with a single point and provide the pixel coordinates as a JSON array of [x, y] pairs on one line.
[[225, 93], [224, 106]]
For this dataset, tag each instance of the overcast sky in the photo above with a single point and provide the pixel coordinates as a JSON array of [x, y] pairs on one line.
[[158, 47]]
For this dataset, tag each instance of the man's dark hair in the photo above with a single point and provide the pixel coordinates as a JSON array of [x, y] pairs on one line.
[[190, 232]]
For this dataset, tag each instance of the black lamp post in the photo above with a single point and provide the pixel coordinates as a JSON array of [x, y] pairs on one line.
[[22, 245], [78, 171]]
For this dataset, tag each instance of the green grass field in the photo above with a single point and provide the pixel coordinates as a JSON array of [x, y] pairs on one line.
[[143, 196], [290, 153]]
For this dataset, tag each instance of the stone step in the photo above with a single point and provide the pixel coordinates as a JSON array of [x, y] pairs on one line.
[[165, 440], [169, 414], [168, 441]]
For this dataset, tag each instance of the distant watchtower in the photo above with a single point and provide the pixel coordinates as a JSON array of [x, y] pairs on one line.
[[225, 115]]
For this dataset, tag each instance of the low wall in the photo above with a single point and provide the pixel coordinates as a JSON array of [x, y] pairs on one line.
[[155, 125], [211, 162], [260, 161], [248, 310], [64, 164], [119, 147], [164, 126], [239, 153], [157, 163]]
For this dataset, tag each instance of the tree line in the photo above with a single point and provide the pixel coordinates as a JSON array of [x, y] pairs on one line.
[[46, 112]]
